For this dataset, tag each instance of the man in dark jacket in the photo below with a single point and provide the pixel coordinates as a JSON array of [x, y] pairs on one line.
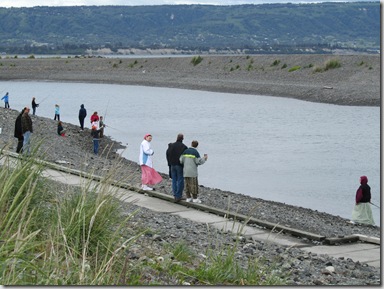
[[82, 115], [173, 154], [19, 132], [26, 126]]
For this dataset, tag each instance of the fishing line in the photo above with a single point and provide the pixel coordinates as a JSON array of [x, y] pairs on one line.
[[374, 205]]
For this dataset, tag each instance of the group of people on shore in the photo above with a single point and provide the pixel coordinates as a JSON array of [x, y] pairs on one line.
[[24, 126], [183, 163]]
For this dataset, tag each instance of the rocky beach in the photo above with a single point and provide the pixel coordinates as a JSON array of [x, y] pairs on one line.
[[355, 82]]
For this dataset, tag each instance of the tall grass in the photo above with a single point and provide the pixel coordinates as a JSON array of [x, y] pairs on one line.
[[74, 236], [53, 239]]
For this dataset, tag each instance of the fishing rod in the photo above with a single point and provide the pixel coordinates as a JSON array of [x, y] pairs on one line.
[[43, 100], [115, 128], [374, 205]]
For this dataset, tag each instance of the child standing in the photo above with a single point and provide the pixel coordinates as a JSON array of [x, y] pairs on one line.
[[57, 112]]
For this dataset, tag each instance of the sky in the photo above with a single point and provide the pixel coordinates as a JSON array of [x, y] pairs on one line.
[[31, 3]]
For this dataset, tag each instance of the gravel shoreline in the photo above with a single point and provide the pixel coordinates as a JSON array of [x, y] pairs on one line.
[[75, 151], [355, 82]]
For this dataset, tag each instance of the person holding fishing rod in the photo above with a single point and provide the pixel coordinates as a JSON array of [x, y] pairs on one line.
[[362, 212], [34, 105]]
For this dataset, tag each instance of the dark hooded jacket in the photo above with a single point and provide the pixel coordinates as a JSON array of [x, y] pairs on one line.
[[174, 152], [363, 194], [18, 128], [82, 112]]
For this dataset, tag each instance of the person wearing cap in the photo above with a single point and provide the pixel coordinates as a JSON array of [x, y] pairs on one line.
[[173, 154], [362, 212], [148, 175]]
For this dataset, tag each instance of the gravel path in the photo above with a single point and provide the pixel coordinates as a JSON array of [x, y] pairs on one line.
[[75, 151]]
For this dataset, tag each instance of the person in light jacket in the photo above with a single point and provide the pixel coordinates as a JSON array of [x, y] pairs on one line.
[[148, 175], [190, 159]]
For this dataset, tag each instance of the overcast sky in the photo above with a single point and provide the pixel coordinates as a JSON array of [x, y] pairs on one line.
[[31, 3]]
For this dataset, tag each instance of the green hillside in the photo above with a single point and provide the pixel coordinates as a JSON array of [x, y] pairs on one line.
[[281, 28]]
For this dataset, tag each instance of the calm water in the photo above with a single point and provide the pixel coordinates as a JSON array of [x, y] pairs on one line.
[[300, 153]]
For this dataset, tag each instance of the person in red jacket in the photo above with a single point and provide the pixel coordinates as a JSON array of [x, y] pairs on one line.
[[362, 212], [95, 119]]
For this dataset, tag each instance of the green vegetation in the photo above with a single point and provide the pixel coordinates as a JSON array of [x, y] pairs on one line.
[[51, 234], [247, 28], [294, 68], [330, 64], [276, 62], [196, 60], [284, 66]]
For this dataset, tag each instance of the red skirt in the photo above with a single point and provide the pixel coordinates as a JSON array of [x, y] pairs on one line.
[[149, 176]]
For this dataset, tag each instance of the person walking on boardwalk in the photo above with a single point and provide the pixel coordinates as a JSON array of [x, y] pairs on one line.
[[362, 212], [26, 124], [191, 159], [148, 175], [173, 154], [6, 100], [34, 105], [82, 116], [19, 132], [57, 112]]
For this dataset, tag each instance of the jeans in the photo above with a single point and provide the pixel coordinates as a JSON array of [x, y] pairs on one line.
[[177, 181], [95, 145], [27, 142]]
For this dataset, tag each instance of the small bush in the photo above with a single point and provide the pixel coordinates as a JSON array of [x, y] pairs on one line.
[[276, 62], [294, 68], [31, 56], [196, 60], [284, 66], [331, 64]]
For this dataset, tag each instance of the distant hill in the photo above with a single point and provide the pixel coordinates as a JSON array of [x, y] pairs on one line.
[[265, 28]]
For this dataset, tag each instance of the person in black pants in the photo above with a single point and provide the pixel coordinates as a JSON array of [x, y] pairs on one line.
[[19, 132], [82, 116]]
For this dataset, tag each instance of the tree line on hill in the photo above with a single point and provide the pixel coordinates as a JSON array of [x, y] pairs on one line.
[[264, 28]]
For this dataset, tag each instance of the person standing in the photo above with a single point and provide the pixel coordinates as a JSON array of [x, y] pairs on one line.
[[173, 154], [362, 212], [101, 127], [57, 112], [19, 132], [26, 124], [148, 175], [96, 139], [95, 119], [34, 105], [6, 100], [191, 159], [82, 116]]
